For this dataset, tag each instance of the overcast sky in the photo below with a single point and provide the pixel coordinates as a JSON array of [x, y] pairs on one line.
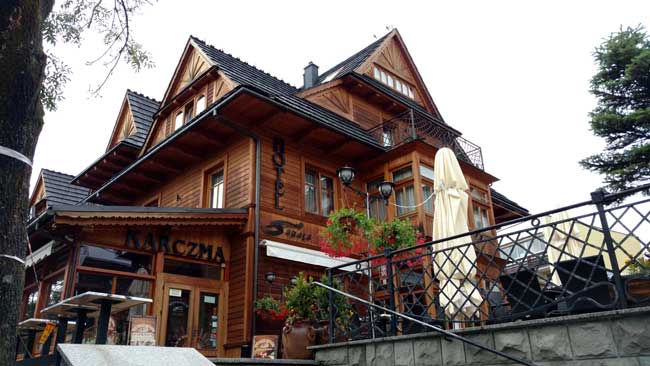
[[513, 77]]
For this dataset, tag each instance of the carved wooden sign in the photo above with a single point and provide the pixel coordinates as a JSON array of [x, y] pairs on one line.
[[174, 246], [286, 228], [278, 163]]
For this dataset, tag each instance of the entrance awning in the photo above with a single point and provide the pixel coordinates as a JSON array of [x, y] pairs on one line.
[[304, 255], [38, 255]]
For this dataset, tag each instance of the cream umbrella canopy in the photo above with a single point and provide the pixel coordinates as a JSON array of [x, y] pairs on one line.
[[454, 268], [561, 243]]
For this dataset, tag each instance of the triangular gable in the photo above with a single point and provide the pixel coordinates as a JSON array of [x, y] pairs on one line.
[[39, 191], [192, 64], [393, 56], [124, 126]]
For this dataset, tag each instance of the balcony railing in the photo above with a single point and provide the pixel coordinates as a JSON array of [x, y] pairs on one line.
[[590, 262], [412, 125]]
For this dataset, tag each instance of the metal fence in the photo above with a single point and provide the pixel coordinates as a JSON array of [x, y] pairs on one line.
[[411, 125], [587, 257]]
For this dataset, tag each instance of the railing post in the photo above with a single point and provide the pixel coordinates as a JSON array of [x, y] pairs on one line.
[[414, 134], [391, 290], [598, 198], [331, 307]]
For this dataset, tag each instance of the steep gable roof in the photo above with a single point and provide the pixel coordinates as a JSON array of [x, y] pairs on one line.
[[58, 189], [143, 109], [352, 62]]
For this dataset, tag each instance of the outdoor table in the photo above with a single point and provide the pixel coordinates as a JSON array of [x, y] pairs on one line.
[[64, 312], [107, 304], [32, 326]]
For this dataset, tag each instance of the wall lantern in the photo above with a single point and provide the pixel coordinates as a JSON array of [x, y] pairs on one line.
[[294, 281], [385, 189], [346, 175], [270, 277]]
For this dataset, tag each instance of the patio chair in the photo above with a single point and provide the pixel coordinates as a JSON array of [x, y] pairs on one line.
[[586, 285], [524, 294]]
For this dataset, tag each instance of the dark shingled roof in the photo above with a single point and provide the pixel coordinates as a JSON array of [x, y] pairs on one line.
[[59, 191], [143, 109], [247, 75], [507, 203], [352, 62]]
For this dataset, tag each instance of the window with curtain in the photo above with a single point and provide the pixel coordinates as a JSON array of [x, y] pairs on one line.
[[426, 174], [319, 193], [216, 189], [481, 217], [55, 290], [404, 191], [189, 112], [377, 205]]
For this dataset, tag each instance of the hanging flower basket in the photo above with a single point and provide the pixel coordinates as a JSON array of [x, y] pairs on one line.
[[346, 233], [393, 235]]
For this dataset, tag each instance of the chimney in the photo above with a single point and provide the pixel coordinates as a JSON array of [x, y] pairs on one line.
[[310, 76]]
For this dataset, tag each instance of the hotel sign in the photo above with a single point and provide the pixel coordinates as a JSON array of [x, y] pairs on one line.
[[174, 246]]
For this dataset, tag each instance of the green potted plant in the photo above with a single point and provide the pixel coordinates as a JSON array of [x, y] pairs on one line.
[[299, 331], [342, 310], [346, 233], [270, 315]]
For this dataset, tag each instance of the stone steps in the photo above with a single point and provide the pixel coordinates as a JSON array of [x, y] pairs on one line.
[[260, 362]]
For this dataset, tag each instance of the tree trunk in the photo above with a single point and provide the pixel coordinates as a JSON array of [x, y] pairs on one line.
[[22, 64]]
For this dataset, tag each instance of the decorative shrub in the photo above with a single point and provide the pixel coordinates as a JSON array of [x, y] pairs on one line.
[[346, 233], [300, 300], [268, 308], [393, 235]]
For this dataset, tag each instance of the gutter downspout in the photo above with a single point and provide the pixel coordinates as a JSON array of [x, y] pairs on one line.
[[256, 230]]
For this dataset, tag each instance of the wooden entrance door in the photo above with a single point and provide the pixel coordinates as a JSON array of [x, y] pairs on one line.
[[192, 316]]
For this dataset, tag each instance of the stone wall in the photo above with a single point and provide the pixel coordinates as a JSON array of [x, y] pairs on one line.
[[620, 337]]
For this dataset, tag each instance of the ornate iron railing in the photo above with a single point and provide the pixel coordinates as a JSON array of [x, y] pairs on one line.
[[412, 125], [595, 259]]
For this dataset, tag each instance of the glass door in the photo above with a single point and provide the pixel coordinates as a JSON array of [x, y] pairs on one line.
[[177, 312], [206, 334]]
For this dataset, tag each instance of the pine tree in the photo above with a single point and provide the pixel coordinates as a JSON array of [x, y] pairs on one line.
[[622, 117]]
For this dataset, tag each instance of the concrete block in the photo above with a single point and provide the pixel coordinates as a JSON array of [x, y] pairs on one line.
[[592, 340], [632, 335], [475, 355], [550, 343], [332, 356], [404, 353], [370, 354], [357, 356], [644, 361], [384, 354], [427, 352], [453, 353], [513, 342]]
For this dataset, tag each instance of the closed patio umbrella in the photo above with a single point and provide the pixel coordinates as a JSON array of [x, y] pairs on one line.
[[561, 243], [455, 268]]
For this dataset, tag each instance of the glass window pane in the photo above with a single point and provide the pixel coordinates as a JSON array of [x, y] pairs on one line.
[[376, 73], [405, 197], [178, 122], [178, 312], [327, 195], [426, 172], [189, 112], [390, 81], [116, 260], [192, 269], [208, 321], [377, 209], [310, 192], [93, 282], [216, 190], [55, 291], [398, 85], [427, 191], [371, 186], [32, 299], [200, 104], [402, 174], [384, 77]]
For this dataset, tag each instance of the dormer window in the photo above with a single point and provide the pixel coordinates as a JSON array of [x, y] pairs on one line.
[[189, 112], [393, 82], [200, 104], [178, 122]]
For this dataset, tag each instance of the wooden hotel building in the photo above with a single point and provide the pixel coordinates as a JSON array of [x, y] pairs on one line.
[[232, 175]]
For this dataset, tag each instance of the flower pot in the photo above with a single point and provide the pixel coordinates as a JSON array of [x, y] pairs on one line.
[[296, 338]]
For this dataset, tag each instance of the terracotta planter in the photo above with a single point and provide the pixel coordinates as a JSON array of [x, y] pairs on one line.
[[296, 338]]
